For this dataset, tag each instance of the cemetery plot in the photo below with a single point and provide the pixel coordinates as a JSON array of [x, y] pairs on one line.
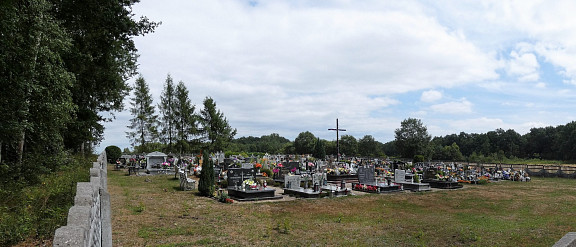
[[438, 180], [367, 182], [242, 186], [400, 178], [293, 186]]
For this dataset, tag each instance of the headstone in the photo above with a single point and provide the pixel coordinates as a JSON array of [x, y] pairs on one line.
[[318, 178], [366, 174], [237, 175], [217, 171], [292, 182], [247, 165], [399, 176]]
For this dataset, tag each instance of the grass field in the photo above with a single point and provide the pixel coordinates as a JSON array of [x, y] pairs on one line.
[[152, 211]]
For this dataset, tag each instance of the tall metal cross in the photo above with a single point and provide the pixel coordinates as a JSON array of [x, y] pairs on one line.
[[337, 140]]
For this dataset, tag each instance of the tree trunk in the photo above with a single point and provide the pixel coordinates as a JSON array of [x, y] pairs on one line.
[[21, 147]]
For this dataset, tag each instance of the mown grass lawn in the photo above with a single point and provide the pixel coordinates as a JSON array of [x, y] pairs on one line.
[[152, 211]]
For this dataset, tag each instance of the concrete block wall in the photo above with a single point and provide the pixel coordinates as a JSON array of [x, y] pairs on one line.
[[569, 240], [89, 220]]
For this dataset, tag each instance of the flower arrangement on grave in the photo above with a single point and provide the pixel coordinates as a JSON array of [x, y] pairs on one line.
[[225, 198], [257, 166], [293, 170], [165, 165], [250, 184], [342, 170]]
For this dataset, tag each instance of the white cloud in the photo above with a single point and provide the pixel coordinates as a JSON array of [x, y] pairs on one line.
[[291, 66], [431, 96], [525, 66], [453, 107]]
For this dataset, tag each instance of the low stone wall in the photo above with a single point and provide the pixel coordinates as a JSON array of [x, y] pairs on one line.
[[89, 220], [569, 240]]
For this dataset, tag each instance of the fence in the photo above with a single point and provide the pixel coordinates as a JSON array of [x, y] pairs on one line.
[[89, 220], [561, 171]]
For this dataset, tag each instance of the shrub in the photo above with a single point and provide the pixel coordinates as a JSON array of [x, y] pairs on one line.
[[206, 185], [113, 153]]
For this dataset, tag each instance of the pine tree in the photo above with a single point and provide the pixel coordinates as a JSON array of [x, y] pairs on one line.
[[215, 128], [167, 111], [185, 120], [144, 122], [206, 185]]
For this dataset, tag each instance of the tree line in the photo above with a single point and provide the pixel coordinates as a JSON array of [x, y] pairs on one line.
[[178, 127], [64, 65], [412, 141]]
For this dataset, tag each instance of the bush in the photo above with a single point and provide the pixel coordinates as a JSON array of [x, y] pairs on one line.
[[113, 153]]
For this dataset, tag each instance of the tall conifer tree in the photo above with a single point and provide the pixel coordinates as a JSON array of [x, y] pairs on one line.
[[144, 122], [168, 115]]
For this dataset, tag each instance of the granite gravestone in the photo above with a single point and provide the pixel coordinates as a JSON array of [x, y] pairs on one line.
[[292, 182], [366, 175], [399, 176], [237, 175]]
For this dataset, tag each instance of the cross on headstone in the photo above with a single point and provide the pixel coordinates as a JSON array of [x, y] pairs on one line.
[[337, 141]]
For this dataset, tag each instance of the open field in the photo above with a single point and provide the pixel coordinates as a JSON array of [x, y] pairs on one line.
[[152, 211]]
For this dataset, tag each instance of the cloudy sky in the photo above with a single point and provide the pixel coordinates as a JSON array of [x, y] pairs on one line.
[[289, 66]]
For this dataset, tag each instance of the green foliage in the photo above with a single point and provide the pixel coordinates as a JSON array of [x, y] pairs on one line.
[[206, 185], [103, 57], [185, 119], [369, 147], [37, 210], [412, 138], [319, 151], [144, 121], [304, 143], [348, 145], [418, 158], [167, 113], [215, 128], [113, 153], [272, 144]]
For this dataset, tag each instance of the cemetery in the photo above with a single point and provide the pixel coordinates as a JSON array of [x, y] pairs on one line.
[[309, 198]]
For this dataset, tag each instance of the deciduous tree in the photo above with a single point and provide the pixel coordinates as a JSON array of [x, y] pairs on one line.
[[412, 138]]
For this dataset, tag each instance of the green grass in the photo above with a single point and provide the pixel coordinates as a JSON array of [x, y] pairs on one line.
[[507, 213]]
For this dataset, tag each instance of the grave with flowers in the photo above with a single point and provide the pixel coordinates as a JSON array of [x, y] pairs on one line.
[[340, 171], [243, 186], [400, 178], [367, 182], [441, 178], [311, 188]]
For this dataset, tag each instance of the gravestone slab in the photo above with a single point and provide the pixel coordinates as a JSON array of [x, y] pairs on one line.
[[318, 178], [292, 182], [237, 175], [399, 176], [247, 165], [366, 174]]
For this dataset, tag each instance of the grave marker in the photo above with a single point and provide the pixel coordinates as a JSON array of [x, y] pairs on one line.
[[237, 175], [366, 174], [292, 182], [399, 176]]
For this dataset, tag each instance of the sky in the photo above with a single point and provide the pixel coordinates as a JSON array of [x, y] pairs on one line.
[[290, 66]]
